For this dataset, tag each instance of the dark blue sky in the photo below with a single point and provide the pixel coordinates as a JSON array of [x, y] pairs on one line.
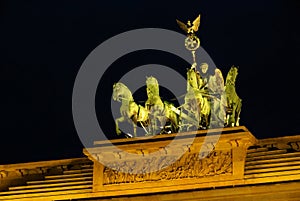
[[43, 44]]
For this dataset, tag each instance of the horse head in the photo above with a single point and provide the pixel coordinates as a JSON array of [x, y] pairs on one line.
[[192, 80], [231, 76], [121, 92], [152, 86], [151, 80]]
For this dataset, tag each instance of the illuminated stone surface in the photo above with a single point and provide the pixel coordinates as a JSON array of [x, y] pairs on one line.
[[238, 167]]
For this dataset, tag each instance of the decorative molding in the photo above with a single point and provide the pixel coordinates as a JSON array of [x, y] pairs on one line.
[[291, 145], [24, 172], [295, 145]]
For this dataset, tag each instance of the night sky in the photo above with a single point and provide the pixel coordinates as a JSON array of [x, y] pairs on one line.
[[44, 43]]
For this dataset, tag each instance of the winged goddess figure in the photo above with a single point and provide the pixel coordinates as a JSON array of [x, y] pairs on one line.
[[189, 28]]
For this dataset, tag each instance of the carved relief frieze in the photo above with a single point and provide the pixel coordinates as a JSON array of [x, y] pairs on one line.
[[3, 174], [191, 165]]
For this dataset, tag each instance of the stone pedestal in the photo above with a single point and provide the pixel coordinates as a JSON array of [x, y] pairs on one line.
[[181, 161]]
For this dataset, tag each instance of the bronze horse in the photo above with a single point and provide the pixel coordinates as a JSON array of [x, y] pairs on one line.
[[147, 116], [196, 103], [162, 118], [234, 103], [129, 110]]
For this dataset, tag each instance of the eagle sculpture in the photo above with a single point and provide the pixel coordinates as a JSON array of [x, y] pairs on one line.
[[189, 28]]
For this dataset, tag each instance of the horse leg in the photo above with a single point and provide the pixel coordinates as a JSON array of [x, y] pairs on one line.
[[172, 120], [228, 120], [117, 121], [238, 113], [232, 116], [134, 129], [237, 121], [151, 124]]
